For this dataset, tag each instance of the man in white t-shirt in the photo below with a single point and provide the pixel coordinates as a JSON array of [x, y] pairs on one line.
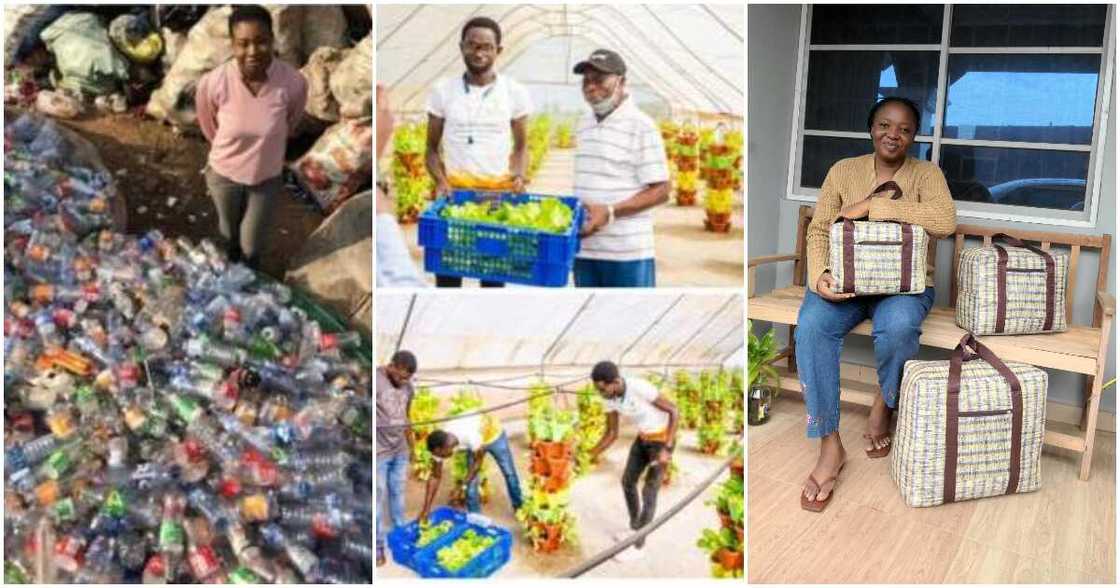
[[477, 435], [652, 449], [479, 119], [621, 174]]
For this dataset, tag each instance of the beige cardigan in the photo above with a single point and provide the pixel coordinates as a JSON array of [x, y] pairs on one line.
[[925, 202]]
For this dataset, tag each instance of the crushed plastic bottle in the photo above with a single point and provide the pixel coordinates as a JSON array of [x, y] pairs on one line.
[[170, 416]]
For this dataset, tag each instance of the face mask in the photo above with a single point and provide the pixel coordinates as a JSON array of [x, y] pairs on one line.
[[604, 106]]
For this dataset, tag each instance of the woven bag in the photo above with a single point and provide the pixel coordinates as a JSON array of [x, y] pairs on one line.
[[873, 257], [1017, 290], [968, 429]]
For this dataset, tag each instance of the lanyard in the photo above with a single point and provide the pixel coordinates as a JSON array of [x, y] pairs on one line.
[[473, 115]]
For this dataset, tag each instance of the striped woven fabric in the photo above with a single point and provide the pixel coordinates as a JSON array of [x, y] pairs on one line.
[[878, 254], [984, 431], [978, 289]]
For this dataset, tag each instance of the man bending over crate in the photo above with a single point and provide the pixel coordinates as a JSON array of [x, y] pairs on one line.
[[652, 449], [471, 117], [477, 435]]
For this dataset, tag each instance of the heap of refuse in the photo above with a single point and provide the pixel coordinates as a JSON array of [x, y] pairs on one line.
[[169, 417]]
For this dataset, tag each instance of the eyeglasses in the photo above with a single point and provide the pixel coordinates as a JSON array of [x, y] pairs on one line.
[[476, 47]]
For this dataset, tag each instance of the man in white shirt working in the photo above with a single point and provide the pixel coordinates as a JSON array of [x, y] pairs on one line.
[[621, 174], [652, 449], [477, 435], [471, 117]]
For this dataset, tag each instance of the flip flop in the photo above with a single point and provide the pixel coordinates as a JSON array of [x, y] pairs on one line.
[[820, 505], [876, 439]]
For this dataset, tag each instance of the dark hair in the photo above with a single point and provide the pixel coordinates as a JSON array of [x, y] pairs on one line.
[[438, 439], [604, 371], [483, 22], [900, 100], [250, 13], [404, 359]]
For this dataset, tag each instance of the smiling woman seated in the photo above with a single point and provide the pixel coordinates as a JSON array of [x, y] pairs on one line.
[[826, 317]]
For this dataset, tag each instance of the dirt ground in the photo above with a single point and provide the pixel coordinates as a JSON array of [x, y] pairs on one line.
[[670, 552], [159, 174]]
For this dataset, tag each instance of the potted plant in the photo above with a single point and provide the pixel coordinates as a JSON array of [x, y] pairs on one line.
[[590, 425], [736, 395], [425, 407], [547, 522], [713, 396], [762, 377], [412, 186], [725, 551], [737, 462], [688, 399]]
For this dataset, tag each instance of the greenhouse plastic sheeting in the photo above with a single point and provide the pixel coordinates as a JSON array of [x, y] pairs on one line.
[[479, 330], [681, 58]]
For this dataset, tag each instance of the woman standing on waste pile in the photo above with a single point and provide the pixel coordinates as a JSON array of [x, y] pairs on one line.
[[247, 108]]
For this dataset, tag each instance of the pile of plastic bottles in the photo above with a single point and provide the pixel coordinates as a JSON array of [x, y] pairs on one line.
[[51, 169], [172, 418]]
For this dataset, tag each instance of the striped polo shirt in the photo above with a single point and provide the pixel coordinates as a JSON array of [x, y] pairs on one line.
[[615, 159]]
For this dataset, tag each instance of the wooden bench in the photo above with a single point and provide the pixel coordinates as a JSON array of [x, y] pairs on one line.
[[1083, 349]]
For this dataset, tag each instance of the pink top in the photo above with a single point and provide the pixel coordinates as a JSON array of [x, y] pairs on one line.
[[248, 134]]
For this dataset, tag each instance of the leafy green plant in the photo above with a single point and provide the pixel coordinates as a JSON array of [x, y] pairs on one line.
[[548, 509], [592, 423], [761, 353], [425, 407], [538, 139], [736, 394], [713, 400], [713, 541], [429, 532], [549, 214], [687, 395], [464, 549]]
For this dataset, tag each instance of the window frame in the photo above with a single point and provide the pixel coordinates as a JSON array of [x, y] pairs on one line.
[[969, 210]]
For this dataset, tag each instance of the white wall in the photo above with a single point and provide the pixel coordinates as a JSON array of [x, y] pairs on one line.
[[772, 64]]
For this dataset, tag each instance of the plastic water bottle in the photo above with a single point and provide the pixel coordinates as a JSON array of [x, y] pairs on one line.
[[172, 536]]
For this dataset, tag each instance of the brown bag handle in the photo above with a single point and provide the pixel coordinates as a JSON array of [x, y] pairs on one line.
[[969, 349], [907, 258], [888, 185], [1001, 280]]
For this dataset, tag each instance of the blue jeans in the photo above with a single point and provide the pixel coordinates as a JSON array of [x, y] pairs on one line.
[[896, 325], [500, 450], [600, 273], [392, 471]]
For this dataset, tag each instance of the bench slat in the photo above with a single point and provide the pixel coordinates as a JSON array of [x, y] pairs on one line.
[[1071, 281], [1074, 350]]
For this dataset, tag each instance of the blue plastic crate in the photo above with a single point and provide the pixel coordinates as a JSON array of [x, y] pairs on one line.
[[483, 564], [402, 540], [497, 252], [423, 561]]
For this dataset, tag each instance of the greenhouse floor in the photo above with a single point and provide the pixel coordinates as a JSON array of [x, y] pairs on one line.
[[601, 514], [687, 255]]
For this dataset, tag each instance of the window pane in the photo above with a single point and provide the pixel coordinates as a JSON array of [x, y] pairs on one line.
[[819, 153], [1053, 25], [844, 85], [1020, 177], [876, 24], [1031, 98]]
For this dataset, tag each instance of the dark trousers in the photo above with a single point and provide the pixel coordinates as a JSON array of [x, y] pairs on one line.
[[457, 282], [643, 455]]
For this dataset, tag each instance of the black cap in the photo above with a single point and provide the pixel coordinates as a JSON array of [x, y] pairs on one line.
[[604, 60]]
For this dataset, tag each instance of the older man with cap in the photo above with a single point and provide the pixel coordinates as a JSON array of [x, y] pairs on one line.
[[621, 173]]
